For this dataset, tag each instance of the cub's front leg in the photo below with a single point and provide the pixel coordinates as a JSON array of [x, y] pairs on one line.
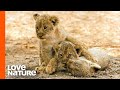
[[52, 66]]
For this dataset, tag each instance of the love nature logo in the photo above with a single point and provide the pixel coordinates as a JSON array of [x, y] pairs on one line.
[[19, 70]]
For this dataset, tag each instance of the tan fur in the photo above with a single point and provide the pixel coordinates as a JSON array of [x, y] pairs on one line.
[[83, 49], [102, 57], [52, 66], [49, 34], [63, 52], [82, 67]]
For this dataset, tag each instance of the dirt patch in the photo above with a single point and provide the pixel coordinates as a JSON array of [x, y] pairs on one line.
[[20, 54]]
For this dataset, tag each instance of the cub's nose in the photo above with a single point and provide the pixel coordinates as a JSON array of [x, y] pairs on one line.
[[40, 35], [64, 61]]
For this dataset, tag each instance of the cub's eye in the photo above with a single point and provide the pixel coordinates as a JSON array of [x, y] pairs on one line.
[[37, 28], [60, 55], [45, 27], [53, 22]]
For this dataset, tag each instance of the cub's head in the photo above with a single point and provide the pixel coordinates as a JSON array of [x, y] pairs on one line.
[[65, 51], [45, 24]]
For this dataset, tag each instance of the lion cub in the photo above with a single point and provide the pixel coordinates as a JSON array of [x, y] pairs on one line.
[[68, 58], [48, 35]]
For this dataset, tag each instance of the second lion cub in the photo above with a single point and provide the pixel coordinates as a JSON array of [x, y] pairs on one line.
[[80, 66]]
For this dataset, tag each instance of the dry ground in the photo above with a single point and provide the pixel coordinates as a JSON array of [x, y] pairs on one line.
[[96, 29]]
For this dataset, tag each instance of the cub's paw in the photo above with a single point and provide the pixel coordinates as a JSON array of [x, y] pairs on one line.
[[40, 70]]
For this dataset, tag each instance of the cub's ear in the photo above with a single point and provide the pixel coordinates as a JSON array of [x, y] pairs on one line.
[[35, 16], [54, 20]]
